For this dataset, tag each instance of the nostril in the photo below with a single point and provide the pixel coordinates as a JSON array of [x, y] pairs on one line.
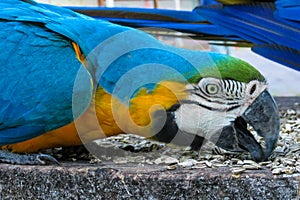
[[252, 90]]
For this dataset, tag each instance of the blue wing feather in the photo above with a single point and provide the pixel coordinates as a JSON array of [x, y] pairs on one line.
[[184, 21], [267, 25], [38, 71], [20, 133], [254, 22], [280, 54], [288, 9], [176, 15]]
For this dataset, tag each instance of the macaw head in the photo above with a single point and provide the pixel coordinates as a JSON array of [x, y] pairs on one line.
[[220, 105]]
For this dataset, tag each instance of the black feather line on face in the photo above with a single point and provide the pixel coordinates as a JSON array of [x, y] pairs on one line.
[[196, 103], [170, 133]]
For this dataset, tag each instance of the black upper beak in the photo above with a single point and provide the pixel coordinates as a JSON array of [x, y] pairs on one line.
[[263, 116]]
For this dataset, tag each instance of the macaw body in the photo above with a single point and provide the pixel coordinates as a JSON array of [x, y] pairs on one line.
[[68, 79]]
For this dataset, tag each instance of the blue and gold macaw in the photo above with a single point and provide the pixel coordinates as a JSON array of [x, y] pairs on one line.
[[68, 79]]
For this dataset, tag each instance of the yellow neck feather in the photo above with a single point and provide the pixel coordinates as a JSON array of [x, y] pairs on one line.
[[114, 117]]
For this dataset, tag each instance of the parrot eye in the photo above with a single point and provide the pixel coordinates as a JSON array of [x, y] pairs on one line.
[[212, 89]]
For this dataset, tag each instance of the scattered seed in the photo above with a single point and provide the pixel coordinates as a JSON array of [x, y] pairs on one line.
[[237, 170], [208, 164], [95, 161], [199, 166], [171, 167], [265, 163], [131, 148], [277, 171], [187, 163], [288, 170], [251, 166], [236, 175], [219, 165], [240, 162], [166, 160], [250, 162]]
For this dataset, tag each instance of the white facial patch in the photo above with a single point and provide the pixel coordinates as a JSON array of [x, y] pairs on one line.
[[200, 121], [206, 111]]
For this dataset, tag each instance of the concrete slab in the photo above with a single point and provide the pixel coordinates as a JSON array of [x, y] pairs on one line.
[[131, 181]]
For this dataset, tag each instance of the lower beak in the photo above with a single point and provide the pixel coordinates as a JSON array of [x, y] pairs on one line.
[[263, 116]]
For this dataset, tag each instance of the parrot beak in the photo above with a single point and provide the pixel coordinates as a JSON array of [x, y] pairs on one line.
[[263, 116]]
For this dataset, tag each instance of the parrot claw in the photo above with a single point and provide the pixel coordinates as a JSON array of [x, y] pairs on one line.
[[27, 159], [46, 159]]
